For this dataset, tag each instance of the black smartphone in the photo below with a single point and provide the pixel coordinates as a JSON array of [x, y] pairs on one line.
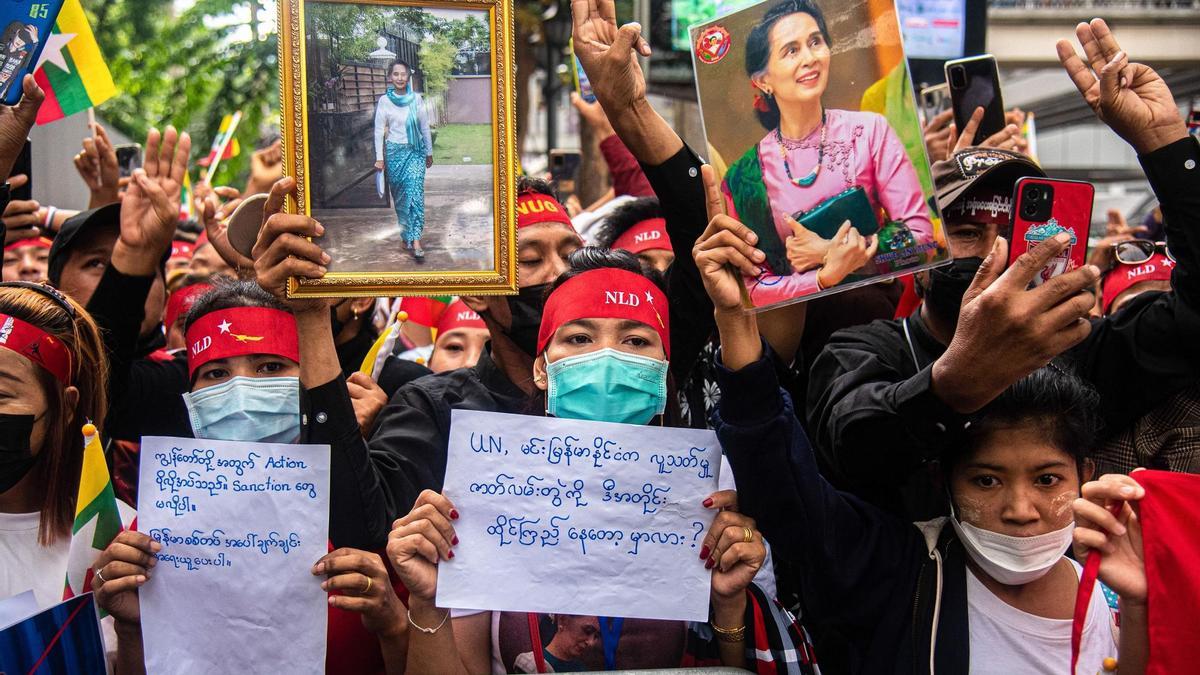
[[23, 165], [129, 158], [564, 166], [975, 83]]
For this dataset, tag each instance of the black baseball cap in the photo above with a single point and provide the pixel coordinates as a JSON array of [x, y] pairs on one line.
[[107, 217], [953, 177]]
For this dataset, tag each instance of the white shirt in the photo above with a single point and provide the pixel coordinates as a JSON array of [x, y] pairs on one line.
[[391, 123], [1006, 640]]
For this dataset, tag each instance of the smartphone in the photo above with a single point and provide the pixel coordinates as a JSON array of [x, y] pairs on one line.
[[583, 86], [975, 83], [934, 101], [564, 166], [27, 25], [23, 165], [1043, 207], [129, 158]]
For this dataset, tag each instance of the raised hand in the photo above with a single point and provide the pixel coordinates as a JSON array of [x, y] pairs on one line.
[[609, 54], [368, 399], [22, 219], [725, 550], [1117, 537], [357, 581], [1130, 98], [938, 134], [15, 123], [97, 166], [420, 540], [283, 250], [1013, 329], [121, 569], [150, 208], [215, 214], [725, 250], [1008, 138]]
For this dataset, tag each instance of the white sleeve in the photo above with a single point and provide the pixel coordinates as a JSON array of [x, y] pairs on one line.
[[380, 129], [423, 119]]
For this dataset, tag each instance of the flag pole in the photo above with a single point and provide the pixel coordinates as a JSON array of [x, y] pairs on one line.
[[233, 124], [91, 117]]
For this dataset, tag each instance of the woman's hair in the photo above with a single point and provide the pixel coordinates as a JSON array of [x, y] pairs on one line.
[[624, 217], [758, 48], [399, 62], [588, 258], [57, 471], [1058, 403], [229, 293]]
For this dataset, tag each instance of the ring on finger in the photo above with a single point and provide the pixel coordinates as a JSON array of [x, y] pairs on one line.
[[366, 588], [100, 575], [747, 535]]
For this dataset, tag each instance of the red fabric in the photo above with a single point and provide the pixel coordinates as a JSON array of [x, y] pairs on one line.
[[984, 205], [607, 293], [352, 649], [650, 234], [1083, 597], [627, 175], [1168, 516], [458, 315], [32, 242], [909, 300], [200, 241], [181, 300], [423, 311], [36, 345], [182, 250], [534, 208], [240, 331], [1121, 277]]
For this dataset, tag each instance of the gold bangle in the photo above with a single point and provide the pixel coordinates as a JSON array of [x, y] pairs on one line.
[[730, 634]]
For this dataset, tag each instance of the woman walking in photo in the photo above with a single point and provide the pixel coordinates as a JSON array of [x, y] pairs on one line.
[[404, 149]]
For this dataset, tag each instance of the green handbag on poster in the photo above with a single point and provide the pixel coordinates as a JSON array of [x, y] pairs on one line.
[[826, 218]]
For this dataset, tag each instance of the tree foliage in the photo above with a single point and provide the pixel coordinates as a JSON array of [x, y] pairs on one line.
[[437, 63]]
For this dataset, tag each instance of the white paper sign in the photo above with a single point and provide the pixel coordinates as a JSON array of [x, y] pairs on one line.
[[241, 525], [574, 517]]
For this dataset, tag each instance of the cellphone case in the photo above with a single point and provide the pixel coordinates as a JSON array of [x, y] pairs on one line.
[[826, 218], [981, 89], [1071, 212], [27, 26]]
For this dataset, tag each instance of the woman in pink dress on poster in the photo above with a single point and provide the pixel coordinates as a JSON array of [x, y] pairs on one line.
[[811, 156]]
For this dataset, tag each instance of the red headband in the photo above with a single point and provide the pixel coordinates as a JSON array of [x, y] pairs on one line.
[[182, 249], [36, 345], [647, 235], [181, 301], [240, 331], [458, 315], [33, 242], [607, 293], [535, 207], [1122, 277]]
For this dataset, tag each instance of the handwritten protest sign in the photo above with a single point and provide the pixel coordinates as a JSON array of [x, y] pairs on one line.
[[241, 525], [575, 517]]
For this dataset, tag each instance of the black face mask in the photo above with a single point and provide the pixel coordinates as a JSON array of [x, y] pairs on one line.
[[16, 459], [947, 286], [526, 310]]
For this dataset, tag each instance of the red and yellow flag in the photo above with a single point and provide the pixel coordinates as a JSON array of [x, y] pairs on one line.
[[72, 71], [97, 518]]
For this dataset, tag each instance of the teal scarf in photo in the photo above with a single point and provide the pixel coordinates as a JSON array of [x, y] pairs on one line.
[[412, 127]]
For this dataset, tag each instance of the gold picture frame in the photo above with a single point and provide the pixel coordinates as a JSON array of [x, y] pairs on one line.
[[495, 274]]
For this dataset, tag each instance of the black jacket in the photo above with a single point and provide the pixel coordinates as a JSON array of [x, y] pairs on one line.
[[874, 418], [878, 580]]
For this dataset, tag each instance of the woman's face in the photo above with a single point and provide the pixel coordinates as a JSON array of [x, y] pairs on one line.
[[584, 336], [458, 348], [21, 393], [798, 61], [577, 635], [27, 263], [399, 76], [248, 365], [1017, 483]]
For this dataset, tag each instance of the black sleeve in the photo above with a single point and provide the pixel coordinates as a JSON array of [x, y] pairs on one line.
[[853, 560], [359, 516], [872, 418], [680, 190], [1148, 347], [145, 396]]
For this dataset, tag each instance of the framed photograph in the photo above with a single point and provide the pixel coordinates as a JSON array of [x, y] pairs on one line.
[[398, 127], [811, 121]]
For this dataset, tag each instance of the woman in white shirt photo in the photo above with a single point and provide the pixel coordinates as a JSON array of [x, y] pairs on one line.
[[404, 150]]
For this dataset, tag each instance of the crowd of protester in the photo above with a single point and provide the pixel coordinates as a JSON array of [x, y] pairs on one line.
[[919, 464]]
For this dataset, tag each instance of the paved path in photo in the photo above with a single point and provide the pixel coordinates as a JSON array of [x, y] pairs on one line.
[[458, 227]]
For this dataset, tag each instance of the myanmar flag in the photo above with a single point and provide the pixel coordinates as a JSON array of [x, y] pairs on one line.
[[224, 140], [72, 71], [97, 520]]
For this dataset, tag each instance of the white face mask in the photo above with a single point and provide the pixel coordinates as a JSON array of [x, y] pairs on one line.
[[1013, 561]]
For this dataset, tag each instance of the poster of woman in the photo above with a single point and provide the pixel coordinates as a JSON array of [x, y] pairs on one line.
[[403, 152], [832, 175]]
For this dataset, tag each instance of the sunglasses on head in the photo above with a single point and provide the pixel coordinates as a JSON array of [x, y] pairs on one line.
[[1138, 251]]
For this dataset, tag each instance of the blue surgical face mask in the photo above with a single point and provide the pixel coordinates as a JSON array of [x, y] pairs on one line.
[[607, 386], [256, 409]]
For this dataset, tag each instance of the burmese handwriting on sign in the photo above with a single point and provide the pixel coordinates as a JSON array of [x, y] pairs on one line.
[[555, 512], [248, 516]]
